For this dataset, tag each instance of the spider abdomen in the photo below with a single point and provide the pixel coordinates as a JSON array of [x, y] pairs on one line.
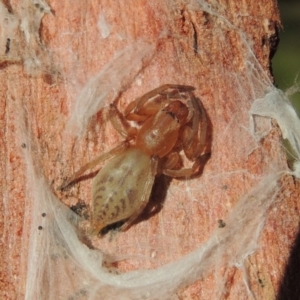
[[119, 187]]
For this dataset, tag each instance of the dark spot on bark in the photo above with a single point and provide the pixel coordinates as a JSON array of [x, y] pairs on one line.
[[81, 209], [221, 223], [7, 46], [195, 39]]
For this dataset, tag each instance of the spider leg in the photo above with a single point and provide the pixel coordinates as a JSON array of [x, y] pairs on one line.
[[144, 113], [138, 103], [120, 123], [194, 136], [188, 172], [172, 161], [101, 158], [193, 141], [146, 196]]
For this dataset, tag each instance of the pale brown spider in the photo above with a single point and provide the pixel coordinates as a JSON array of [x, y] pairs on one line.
[[170, 119]]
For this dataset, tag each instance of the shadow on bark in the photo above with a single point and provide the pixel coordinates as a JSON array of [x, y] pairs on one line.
[[290, 285]]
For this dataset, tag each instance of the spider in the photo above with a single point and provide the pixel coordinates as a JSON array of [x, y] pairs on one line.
[[171, 120]]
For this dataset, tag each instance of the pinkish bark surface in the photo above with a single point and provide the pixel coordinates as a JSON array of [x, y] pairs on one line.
[[186, 51]]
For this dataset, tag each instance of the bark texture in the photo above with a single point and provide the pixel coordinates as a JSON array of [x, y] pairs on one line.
[[43, 73]]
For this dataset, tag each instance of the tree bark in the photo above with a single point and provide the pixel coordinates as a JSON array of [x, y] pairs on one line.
[[45, 68]]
